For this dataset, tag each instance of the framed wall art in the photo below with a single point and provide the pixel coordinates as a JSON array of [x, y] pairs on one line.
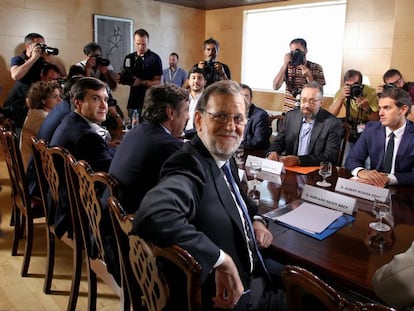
[[114, 35]]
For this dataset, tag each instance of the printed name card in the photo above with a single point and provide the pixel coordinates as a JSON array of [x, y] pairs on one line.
[[329, 199], [270, 166], [360, 190]]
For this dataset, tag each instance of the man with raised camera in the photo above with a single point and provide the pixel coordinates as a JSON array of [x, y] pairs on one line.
[[296, 71], [141, 70], [213, 70], [356, 104], [25, 69], [94, 65], [393, 78]]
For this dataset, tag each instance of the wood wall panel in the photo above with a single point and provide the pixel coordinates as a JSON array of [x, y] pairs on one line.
[[68, 25]]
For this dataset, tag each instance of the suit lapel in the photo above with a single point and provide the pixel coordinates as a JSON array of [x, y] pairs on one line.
[[222, 188], [296, 126]]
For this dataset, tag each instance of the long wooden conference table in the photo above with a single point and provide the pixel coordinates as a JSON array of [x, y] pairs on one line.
[[347, 260]]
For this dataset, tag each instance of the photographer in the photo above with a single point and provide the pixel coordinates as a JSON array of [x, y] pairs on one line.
[[141, 70], [213, 70], [393, 78], [296, 71], [25, 69], [356, 104], [96, 66]]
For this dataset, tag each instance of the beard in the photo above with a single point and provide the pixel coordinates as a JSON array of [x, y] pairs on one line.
[[223, 150]]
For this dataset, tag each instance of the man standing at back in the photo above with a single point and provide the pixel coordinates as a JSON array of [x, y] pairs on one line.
[[174, 74], [213, 70], [296, 71], [141, 70], [25, 69]]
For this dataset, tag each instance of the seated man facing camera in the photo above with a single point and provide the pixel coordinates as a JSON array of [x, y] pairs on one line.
[[309, 134]]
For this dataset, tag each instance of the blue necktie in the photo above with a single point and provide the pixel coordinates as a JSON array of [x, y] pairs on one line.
[[249, 225], [304, 138]]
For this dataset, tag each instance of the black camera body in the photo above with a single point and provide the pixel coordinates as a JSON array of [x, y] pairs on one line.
[[297, 57], [126, 77], [102, 61], [356, 90], [209, 67], [48, 49], [389, 86]]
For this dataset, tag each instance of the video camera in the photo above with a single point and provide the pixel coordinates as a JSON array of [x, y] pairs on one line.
[[126, 77], [48, 49], [297, 57], [356, 90]]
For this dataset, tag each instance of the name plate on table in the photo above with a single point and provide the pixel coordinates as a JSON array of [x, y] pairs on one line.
[[270, 166], [329, 199], [359, 189]]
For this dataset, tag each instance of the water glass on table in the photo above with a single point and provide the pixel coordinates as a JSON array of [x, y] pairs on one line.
[[325, 170]]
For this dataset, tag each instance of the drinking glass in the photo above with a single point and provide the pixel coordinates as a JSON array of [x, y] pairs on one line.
[[254, 194], [239, 155], [325, 170], [255, 169], [127, 123], [381, 207]]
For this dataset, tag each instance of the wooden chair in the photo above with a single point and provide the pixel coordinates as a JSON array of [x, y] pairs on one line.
[[344, 142], [87, 188], [51, 176], [300, 283], [142, 269], [25, 208]]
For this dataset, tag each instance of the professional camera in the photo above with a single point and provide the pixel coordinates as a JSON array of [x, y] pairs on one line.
[[356, 90], [126, 77], [388, 86], [48, 49], [209, 67], [102, 61], [297, 57]]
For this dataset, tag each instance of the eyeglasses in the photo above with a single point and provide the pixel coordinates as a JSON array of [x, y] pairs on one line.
[[223, 118], [396, 82], [311, 101]]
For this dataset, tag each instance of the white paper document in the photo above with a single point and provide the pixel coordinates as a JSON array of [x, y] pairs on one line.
[[310, 217]]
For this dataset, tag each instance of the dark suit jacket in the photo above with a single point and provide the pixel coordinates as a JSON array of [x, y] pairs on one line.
[[75, 134], [257, 130], [193, 207], [324, 142], [372, 144], [138, 160]]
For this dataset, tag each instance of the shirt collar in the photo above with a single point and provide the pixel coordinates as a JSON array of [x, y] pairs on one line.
[[398, 132]]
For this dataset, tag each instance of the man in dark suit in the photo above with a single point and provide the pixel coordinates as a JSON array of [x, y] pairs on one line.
[[80, 132], [81, 135], [138, 160], [257, 130], [392, 135], [195, 206], [310, 134]]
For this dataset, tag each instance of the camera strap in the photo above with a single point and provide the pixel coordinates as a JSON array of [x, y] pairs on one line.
[[353, 123]]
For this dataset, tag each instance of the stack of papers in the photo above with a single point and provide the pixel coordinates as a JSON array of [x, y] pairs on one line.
[[309, 217]]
